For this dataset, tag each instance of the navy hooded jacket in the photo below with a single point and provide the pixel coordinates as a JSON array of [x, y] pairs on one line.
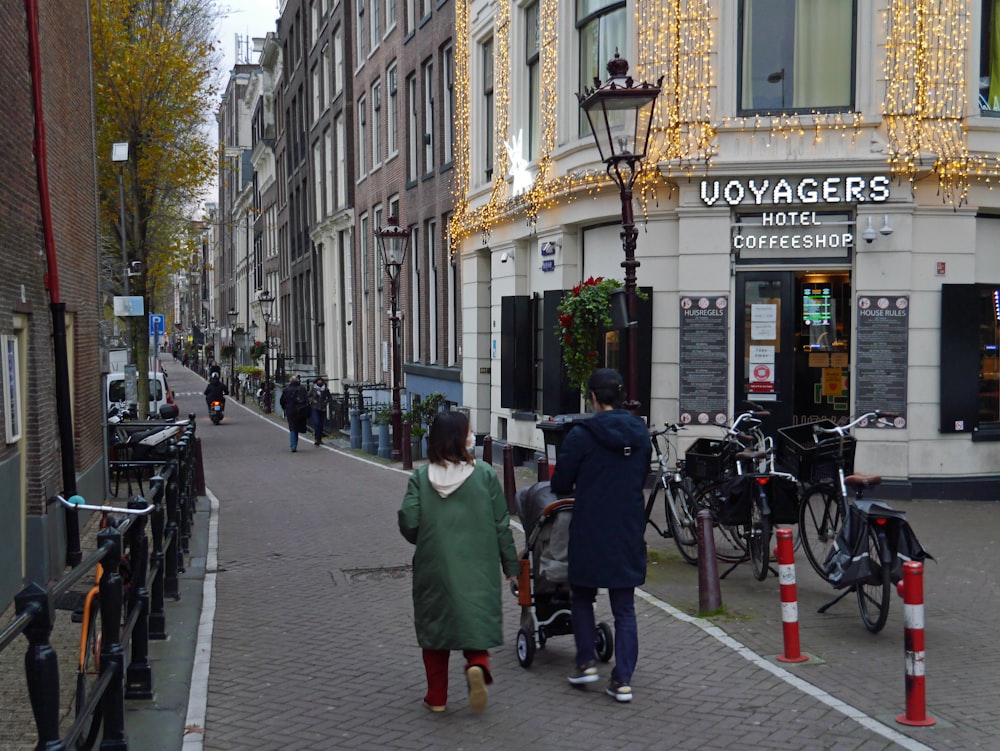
[[604, 462]]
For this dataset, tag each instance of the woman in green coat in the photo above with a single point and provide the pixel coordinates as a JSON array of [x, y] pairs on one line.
[[455, 513]]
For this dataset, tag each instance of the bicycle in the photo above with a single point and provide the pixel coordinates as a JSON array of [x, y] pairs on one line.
[[680, 511], [712, 464], [853, 543], [91, 630]]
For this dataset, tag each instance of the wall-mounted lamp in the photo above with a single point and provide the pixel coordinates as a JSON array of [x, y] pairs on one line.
[[507, 256], [886, 228]]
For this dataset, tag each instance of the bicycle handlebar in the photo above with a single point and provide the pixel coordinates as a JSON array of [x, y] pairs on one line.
[[670, 428], [841, 430], [77, 502]]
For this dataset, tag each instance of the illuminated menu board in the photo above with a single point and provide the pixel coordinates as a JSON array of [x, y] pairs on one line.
[[816, 306]]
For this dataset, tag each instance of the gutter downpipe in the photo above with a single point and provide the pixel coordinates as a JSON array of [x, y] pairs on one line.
[[58, 308]]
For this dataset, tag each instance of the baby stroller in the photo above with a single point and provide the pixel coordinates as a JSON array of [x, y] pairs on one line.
[[542, 588]]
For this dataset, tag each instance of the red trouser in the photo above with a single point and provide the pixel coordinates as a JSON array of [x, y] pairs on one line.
[[436, 665]]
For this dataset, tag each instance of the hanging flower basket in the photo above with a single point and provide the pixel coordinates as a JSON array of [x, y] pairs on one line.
[[584, 316], [257, 350]]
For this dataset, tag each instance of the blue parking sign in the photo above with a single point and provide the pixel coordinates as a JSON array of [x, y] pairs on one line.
[[156, 324]]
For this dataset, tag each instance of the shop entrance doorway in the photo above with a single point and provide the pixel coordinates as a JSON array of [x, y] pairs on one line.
[[793, 345]]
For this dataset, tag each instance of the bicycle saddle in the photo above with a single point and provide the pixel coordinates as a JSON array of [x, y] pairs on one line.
[[859, 480]]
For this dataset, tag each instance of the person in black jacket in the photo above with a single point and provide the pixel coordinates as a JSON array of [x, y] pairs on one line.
[[215, 391], [604, 460], [294, 402]]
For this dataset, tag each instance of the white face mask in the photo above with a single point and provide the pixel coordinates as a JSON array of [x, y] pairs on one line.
[[470, 443]]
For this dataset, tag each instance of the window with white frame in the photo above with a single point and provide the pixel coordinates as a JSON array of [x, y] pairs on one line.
[[375, 21], [989, 58], [486, 51], [413, 129], [532, 47], [448, 66], [432, 291], [376, 123], [316, 13], [428, 135], [390, 15], [317, 104], [361, 36], [601, 25], [318, 208], [363, 250], [338, 61], [411, 16], [380, 305], [327, 74], [329, 171], [453, 334], [392, 121], [13, 413], [362, 137], [796, 55], [415, 297], [340, 134]]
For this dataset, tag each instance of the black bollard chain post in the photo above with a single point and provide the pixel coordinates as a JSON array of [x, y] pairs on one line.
[[41, 668], [139, 674], [488, 449], [157, 616], [112, 656]]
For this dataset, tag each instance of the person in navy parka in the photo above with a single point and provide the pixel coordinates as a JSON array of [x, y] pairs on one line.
[[604, 461]]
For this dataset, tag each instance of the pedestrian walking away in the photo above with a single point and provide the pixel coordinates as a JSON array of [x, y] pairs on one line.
[[604, 462], [319, 400], [455, 512], [294, 403]]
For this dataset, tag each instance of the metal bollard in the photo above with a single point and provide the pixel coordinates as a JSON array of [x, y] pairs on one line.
[[543, 469], [789, 597], [199, 468], [488, 449], [912, 589], [406, 450], [709, 589], [509, 483]]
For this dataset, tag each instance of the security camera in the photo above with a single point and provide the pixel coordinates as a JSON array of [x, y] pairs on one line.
[[134, 268], [869, 234], [504, 257]]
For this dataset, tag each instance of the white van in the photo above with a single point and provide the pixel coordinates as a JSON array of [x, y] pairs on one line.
[[159, 392]]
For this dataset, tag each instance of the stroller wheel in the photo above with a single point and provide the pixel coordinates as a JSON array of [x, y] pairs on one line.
[[605, 644], [525, 647]]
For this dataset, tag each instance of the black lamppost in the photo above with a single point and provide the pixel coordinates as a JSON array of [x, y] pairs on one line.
[[265, 298], [620, 113], [232, 314], [392, 242]]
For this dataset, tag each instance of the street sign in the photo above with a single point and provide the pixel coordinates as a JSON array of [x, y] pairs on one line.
[[156, 324]]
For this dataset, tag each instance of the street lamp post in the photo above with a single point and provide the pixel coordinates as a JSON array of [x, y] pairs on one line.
[[232, 314], [620, 114], [265, 298], [119, 155], [392, 242]]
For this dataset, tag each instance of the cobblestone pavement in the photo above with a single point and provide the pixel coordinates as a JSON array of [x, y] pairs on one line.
[[312, 643]]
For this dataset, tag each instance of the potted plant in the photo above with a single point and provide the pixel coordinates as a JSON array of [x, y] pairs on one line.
[[584, 316], [257, 350], [420, 415]]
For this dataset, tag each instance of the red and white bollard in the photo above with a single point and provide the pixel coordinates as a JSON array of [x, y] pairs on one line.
[[912, 589], [789, 597]]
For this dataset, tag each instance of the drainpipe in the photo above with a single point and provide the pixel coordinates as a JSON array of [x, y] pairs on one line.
[[58, 308]]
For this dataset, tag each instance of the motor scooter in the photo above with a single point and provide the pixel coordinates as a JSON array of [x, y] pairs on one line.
[[216, 411]]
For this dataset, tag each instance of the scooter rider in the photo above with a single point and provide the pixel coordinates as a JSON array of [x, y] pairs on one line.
[[215, 391]]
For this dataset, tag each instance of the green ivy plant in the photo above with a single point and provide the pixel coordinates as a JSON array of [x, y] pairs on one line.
[[584, 316]]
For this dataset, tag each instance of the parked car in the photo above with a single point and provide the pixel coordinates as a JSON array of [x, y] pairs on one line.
[[161, 398]]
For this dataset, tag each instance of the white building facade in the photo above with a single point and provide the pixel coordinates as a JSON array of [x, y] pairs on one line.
[[817, 226]]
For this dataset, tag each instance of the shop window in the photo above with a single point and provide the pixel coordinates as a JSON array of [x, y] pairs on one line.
[[989, 59], [970, 376], [796, 55], [602, 27]]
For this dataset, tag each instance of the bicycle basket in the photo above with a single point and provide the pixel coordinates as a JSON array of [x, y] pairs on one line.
[[812, 460], [708, 459]]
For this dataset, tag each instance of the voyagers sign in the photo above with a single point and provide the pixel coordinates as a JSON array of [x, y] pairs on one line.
[[807, 191]]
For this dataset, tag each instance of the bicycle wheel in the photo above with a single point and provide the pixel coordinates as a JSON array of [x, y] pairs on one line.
[[651, 504], [873, 593], [760, 537], [88, 671], [820, 517], [682, 521]]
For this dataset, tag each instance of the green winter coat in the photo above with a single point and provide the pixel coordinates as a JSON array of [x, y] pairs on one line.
[[461, 541]]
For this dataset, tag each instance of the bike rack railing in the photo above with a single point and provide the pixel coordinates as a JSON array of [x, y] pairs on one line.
[[156, 557]]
